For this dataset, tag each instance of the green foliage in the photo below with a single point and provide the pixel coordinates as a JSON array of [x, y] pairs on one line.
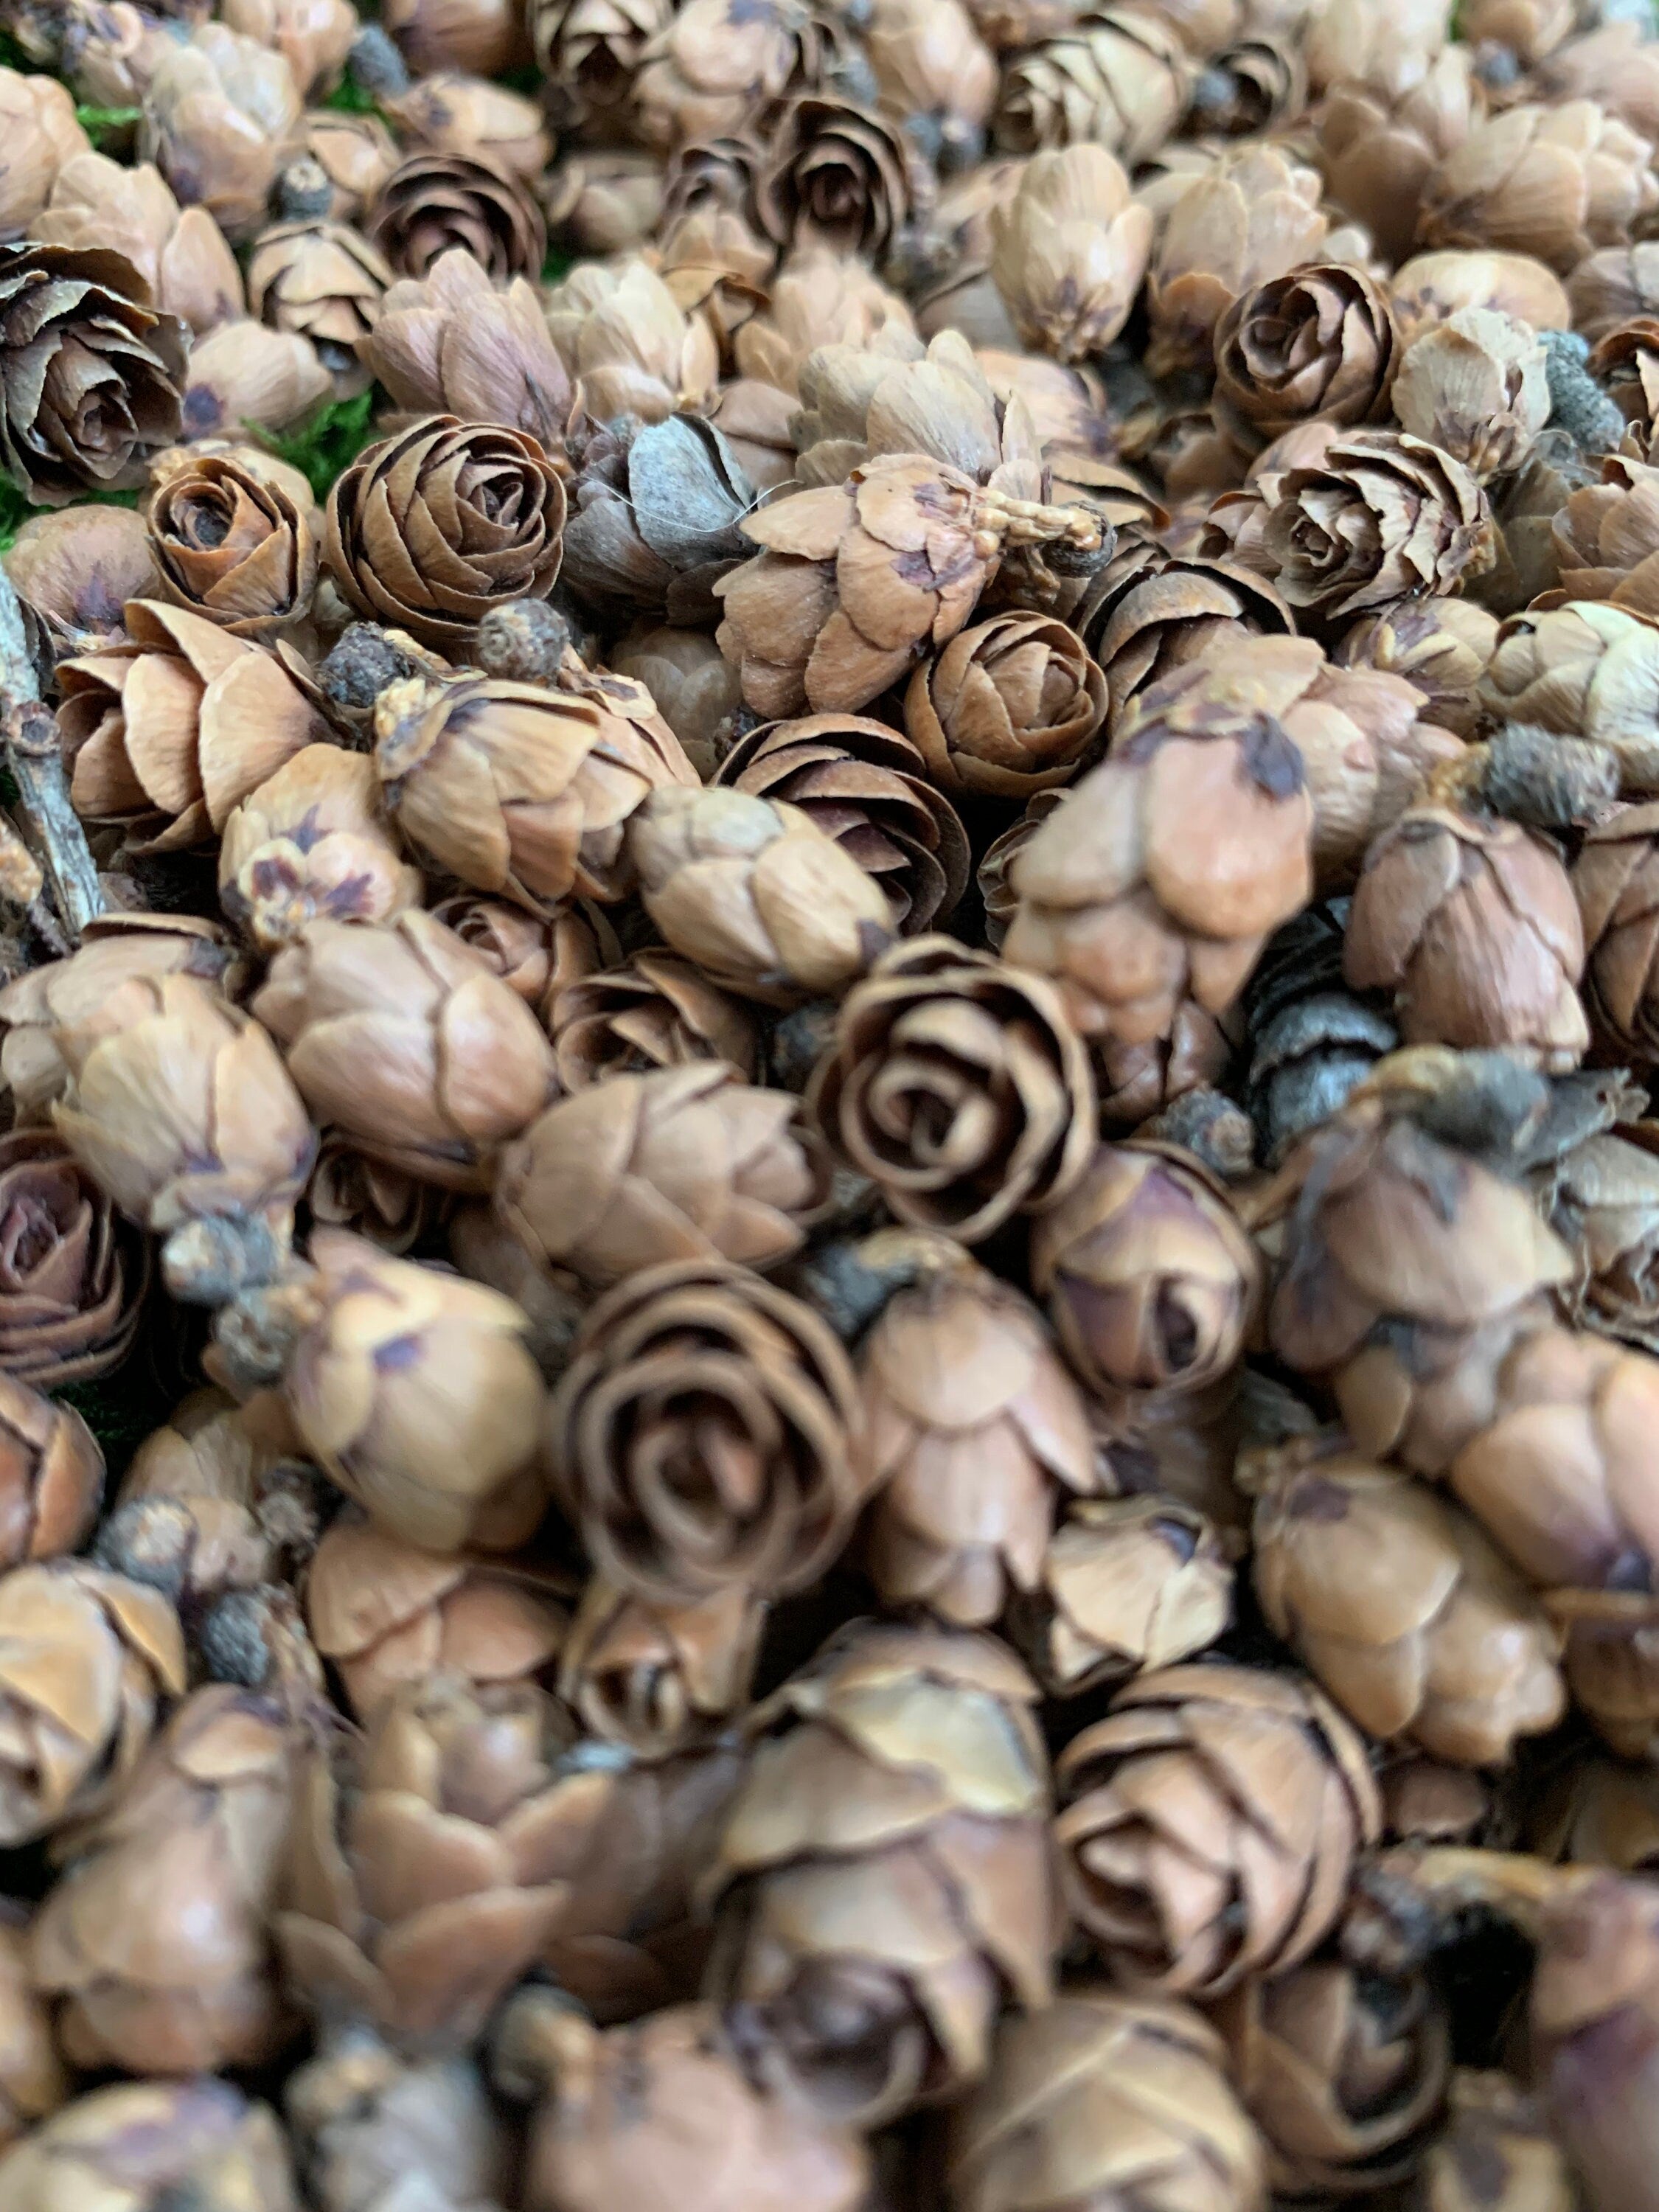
[[350, 99], [556, 266], [329, 442], [102, 123], [12, 57]]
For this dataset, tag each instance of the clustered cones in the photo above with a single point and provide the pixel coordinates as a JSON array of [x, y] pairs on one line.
[[828, 1177]]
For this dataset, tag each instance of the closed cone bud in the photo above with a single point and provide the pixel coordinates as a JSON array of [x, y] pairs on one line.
[[1253, 216], [1476, 387], [313, 36], [414, 1391], [518, 791], [450, 343], [75, 567], [386, 1613], [975, 1434], [1071, 250], [1493, 2144], [1606, 536], [1381, 137], [1594, 2019], [653, 1011], [764, 902], [1582, 671], [1552, 182], [1011, 707], [1124, 2096], [1442, 647], [370, 2124], [181, 252], [662, 2117], [1321, 341], [399, 1034], [485, 36], [656, 1678], [222, 113], [244, 376], [1401, 1608], [957, 1084], [1601, 1198], [418, 1887], [695, 687], [710, 1366], [1472, 924], [629, 345], [844, 1940], [1119, 81], [1343, 2072], [155, 1942], [310, 845], [324, 281], [1151, 1281], [1127, 1585], [208, 1502], [1184, 1885], [42, 135], [135, 2145], [683, 1163]]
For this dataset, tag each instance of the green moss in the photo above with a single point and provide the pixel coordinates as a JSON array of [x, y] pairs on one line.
[[328, 443], [102, 123]]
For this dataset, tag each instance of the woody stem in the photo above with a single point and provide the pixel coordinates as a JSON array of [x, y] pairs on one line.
[[34, 753]]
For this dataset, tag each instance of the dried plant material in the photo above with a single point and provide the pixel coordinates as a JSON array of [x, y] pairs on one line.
[[1121, 901], [418, 1887], [1442, 647], [1594, 1997], [73, 1280], [369, 2124], [125, 2147], [392, 1208], [958, 1085], [1475, 385], [433, 203], [1011, 707], [180, 252], [1600, 1197], [91, 375], [747, 1393], [1379, 140], [695, 687], [75, 569], [655, 1012], [862, 783], [312, 36], [42, 137], [386, 1614], [1252, 216], [519, 791], [1119, 80], [682, 1163], [1124, 2098], [355, 153], [662, 2117], [154, 1940], [1472, 923], [430, 529], [656, 1678], [538, 958], [1320, 343], [1616, 286], [1151, 1281], [33, 2081], [1344, 2073], [452, 112], [1187, 1877], [208, 1502], [974, 1432], [1429, 287], [1626, 359], [234, 545], [220, 115], [1552, 182], [854, 583], [1399, 1607], [713, 65], [1127, 1585], [1070, 248], [655, 510], [325, 281], [310, 845], [839, 175], [184, 1116], [169, 731], [851, 1932], [449, 341], [483, 37], [763, 900], [629, 345], [243, 377], [1156, 614], [438, 1440], [1599, 1812], [1493, 2133], [1607, 538], [589, 51]]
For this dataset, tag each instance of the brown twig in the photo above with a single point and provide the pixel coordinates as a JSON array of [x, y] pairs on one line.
[[34, 753]]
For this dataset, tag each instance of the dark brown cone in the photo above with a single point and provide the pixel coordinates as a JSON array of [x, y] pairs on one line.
[[1320, 342], [73, 1275], [1149, 619], [1011, 707], [837, 175], [432, 201], [1127, 1584]]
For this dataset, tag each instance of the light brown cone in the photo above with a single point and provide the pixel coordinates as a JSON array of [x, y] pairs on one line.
[[450, 343], [653, 1011], [434, 202], [32, 2081], [1494, 2142], [221, 114], [1011, 707], [1127, 1584], [129, 2146], [1442, 647], [323, 280], [1600, 1198], [1554, 182], [1209, 1826], [370, 2125], [1071, 248], [217, 1503], [659, 1678], [883, 1879], [311, 845], [1253, 216], [1476, 387], [1119, 79]]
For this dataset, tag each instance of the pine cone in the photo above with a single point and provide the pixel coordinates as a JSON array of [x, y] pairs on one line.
[[42, 137], [370, 2126], [1122, 897], [1343, 2073], [33, 2081], [451, 111], [1119, 79], [762, 899], [244, 377], [1127, 1585], [653, 1011], [854, 584], [209, 718], [312, 36], [232, 545], [450, 343], [419, 1884], [1595, 2001], [220, 116], [137, 2145], [210, 1502], [1152, 1279], [662, 2117], [1442, 647], [413, 1390], [851, 1941], [429, 530], [386, 1615], [839, 175], [310, 845], [540, 960], [348, 1190], [631, 348], [683, 1163], [398, 1033], [180, 252], [155, 1939], [433, 203], [1379, 140], [590, 51], [1477, 386], [483, 36], [357, 154], [1109, 2100], [1585, 670], [1321, 341], [1146, 620], [656, 510], [73, 1282], [974, 1432], [1600, 1198], [658, 1678], [1252, 217], [75, 567], [710, 1369], [1493, 2142], [715, 64], [1011, 707], [1626, 359], [1187, 1877], [956, 1083], [1399, 1607], [1552, 182]]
